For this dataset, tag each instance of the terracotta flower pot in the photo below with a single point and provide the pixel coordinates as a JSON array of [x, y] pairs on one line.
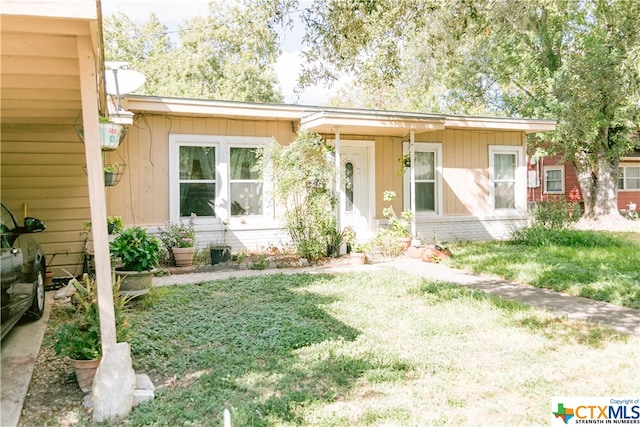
[[358, 258], [415, 252], [183, 256], [48, 277], [405, 242], [85, 371]]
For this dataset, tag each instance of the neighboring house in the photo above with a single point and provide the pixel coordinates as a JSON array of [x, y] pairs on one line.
[[550, 178]]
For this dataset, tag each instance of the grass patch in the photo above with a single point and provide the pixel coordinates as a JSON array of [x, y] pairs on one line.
[[384, 348], [598, 265]]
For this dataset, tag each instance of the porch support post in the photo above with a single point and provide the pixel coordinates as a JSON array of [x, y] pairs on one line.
[[412, 185], [97, 199], [338, 180]]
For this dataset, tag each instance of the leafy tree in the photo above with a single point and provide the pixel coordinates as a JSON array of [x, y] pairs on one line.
[[574, 61], [303, 174], [228, 54]]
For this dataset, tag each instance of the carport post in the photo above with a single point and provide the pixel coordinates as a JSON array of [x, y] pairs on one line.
[[97, 199], [338, 181], [412, 185]]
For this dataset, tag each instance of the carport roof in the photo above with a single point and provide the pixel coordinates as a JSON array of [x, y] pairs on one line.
[[40, 73]]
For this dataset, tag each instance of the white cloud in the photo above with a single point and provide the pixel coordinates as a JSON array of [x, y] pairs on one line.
[[288, 68]]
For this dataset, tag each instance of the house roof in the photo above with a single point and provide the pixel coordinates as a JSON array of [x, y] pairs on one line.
[[40, 75], [330, 119]]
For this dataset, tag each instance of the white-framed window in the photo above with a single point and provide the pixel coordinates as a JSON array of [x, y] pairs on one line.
[[507, 178], [427, 184], [629, 178], [245, 182], [215, 177], [554, 179]]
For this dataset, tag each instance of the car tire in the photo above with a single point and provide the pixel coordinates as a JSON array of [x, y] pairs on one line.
[[37, 305]]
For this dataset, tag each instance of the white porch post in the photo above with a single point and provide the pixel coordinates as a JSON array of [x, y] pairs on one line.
[[412, 186], [338, 180], [97, 199]]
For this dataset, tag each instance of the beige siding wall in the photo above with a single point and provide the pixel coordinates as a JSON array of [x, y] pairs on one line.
[[465, 167], [42, 174], [142, 196]]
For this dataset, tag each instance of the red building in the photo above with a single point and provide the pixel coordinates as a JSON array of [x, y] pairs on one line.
[[548, 178]]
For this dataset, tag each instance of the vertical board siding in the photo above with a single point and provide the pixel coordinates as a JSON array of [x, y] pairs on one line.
[[142, 196]]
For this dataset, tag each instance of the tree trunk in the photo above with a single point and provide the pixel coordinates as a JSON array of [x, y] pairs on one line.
[[598, 187]]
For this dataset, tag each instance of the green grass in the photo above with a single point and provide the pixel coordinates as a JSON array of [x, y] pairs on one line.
[[384, 348], [597, 265]]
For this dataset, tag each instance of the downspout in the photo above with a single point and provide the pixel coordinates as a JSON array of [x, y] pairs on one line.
[[338, 180], [412, 180]]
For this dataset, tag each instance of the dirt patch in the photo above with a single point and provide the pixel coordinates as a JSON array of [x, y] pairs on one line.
[[54, 397]]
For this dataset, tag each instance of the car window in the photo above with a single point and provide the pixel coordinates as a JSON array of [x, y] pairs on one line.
[[7, 224]]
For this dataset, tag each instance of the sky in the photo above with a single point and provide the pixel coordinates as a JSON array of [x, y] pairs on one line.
[[171, 13]]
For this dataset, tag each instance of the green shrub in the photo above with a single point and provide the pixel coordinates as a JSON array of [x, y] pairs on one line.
[[303, 174], [555, 213], [135, 249], [540, 235]]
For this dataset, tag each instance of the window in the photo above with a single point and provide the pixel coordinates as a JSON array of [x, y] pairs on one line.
[[427, 182], [507, 176], [215, 177], [629, 178], [348, 184], [245, 181], [554, 179]]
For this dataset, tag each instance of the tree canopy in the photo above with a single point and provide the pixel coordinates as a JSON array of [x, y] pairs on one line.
[[228, 54], [574, 61]]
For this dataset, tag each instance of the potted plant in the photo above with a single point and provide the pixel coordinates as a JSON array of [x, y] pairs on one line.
[[111, 174], [358, 254], [79, 339], [138, 255], [48, 272], [115, 224], [110, 134], [398, 226], [180, 241], [220, 252]]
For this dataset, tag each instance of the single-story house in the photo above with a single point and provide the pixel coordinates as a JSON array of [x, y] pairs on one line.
[[186, 155], [550, 178], [468, 180]]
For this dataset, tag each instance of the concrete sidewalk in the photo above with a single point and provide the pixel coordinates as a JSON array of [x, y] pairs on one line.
[[621, 319]]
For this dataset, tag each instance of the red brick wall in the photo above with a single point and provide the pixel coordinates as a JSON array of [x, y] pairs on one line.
[[571, 188]]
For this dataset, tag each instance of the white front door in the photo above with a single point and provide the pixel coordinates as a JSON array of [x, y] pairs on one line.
[[356, 191]]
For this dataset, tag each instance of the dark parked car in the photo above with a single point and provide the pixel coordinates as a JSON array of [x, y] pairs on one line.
[[22, 270]]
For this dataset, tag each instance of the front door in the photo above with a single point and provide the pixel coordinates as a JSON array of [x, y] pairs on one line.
[[355, 198]]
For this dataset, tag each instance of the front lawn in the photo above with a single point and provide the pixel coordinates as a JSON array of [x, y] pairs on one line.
[[598, 265], [380, 348]]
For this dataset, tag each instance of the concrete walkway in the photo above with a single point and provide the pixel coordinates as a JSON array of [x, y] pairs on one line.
[[621, 319]]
